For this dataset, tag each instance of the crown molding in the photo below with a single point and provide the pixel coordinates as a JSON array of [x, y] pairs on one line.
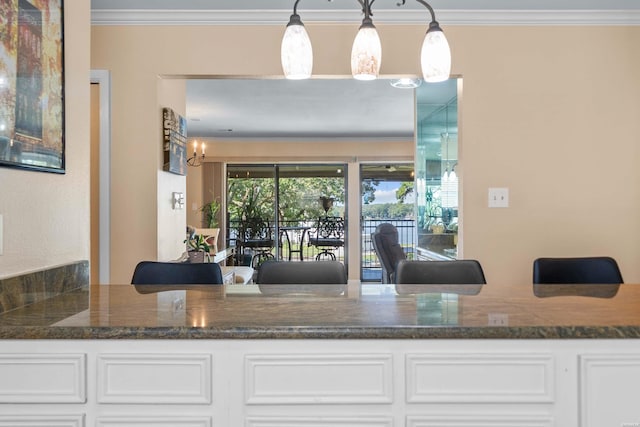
[[387, 16]]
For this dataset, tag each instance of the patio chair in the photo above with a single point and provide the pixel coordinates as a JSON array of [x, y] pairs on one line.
[[327, 236], [255, 235], [387, 247]]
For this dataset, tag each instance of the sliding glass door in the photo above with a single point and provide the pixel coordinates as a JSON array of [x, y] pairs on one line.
[[386, 197], [289, 199]]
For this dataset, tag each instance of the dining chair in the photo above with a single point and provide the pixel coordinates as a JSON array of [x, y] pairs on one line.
[[580, 270], [172, 273], [387, 247], [455, 272]]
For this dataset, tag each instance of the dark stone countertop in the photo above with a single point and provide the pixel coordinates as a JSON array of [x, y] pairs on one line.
[[331, 312]]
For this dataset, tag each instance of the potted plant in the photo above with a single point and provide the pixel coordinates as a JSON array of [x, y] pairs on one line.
[[327, 203], [197, 247], [210, 219]]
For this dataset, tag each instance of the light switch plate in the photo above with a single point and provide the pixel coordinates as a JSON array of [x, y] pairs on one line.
[[498, 197], [178, 200]]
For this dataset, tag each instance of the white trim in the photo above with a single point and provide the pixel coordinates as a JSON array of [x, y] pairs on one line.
[[387, 16], [103, 78]]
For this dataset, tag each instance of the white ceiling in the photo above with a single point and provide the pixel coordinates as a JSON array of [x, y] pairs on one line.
[[333, 108]]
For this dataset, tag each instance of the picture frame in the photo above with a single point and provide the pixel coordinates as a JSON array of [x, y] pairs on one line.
[[174, 142], [32, 116]]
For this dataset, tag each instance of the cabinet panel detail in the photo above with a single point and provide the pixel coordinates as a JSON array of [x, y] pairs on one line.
[[479, 420], [319, 421], [154, 378], [321, 379], [42, 420], [153, 421], [480, 378], [42, 378], [609, 390]]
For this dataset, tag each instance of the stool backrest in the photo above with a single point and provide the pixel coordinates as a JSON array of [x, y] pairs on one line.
[[176, 273], [576, 270]]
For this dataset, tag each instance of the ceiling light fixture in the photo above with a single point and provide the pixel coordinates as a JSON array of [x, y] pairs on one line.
[[406, 83], [296, 53]]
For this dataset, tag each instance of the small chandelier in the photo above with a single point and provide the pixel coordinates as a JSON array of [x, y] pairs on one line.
[[366, 54], [196, 160]]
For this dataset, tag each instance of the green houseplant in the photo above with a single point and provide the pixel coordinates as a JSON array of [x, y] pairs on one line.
[[210, 212], [197, 247]]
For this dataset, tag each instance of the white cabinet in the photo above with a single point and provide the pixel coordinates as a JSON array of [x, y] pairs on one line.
[[153, 378], [319, 383]]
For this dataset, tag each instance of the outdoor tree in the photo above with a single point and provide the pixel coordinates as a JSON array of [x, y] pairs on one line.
[[299, 198], [368, 190], [406, 188]]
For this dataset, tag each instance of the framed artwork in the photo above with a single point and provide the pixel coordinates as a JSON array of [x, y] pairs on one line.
[[174, 140], [32, 85]]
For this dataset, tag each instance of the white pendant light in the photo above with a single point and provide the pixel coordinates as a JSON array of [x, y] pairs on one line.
[[453, 177], [296, 53], [435, 56], [366, 53]]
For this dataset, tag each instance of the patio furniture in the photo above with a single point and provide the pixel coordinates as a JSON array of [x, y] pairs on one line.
[[255, 235], [387, 247], [327, 236], [294, 235]]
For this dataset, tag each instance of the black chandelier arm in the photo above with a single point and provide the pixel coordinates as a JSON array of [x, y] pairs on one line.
[[295, 7], [425, 4], [366, 8]]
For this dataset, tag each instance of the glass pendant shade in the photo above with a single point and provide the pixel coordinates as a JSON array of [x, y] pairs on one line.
[[296, 53], [366, 54], [436, 55], [452, 190]]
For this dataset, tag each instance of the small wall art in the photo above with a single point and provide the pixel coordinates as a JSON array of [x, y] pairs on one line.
[[174, 131]]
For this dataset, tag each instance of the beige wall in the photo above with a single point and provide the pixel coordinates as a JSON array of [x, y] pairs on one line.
[[170, 232], [549, 112], [46, 216], [194, 196]]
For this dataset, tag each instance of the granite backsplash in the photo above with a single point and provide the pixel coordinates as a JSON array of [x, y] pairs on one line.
[[29, 288]]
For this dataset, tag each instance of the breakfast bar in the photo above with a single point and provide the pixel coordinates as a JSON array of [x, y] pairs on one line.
[[326, 355]]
